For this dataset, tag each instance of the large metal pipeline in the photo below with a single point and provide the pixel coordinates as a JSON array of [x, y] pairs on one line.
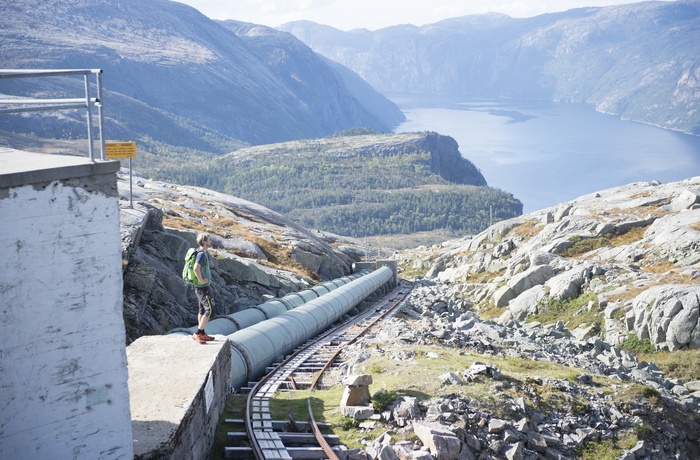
[[256, 347], [260, 335], [226, 325]]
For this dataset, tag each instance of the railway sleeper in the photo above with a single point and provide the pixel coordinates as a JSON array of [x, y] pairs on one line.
[[282, 425], [300, 453], [312, 365], [320, 358], [305, 385], [310, 368], [289, 439], [248, 388]]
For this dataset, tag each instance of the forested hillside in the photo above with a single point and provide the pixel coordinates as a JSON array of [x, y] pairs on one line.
[[361, 185]]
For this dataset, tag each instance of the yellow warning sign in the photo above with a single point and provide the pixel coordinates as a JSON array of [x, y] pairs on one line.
[[120, 150]]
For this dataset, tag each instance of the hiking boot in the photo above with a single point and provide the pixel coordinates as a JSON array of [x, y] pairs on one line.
[[207, 337], [199, 338]]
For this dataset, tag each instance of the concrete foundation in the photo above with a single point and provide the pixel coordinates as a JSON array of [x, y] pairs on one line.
[[178, 390]]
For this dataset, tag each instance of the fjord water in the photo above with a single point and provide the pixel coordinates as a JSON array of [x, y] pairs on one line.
[[546, 153]]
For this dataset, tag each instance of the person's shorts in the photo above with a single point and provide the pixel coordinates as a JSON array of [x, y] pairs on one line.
[[205, 300]]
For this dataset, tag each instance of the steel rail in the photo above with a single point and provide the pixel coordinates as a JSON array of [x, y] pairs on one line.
[[312, 420], [281, 374]]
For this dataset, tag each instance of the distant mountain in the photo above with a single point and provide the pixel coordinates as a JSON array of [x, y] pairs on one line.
[[639, 61], [359, 185], [174, 77], [310, 75]]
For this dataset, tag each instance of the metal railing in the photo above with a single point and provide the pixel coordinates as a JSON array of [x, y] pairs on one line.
[[26, 104]]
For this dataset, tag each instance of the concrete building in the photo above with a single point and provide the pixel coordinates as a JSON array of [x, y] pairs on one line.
[[63, 368]]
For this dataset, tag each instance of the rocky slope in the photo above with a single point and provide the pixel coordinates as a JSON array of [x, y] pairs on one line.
[[549, 376], [631, 253], [514, 391], [258, 253]]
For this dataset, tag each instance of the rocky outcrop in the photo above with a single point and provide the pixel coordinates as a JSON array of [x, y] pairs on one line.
[[669, 316], [257, 253], [442, 443], [633, 250]]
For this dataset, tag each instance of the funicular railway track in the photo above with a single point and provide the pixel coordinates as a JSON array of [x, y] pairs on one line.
[[304, 369]]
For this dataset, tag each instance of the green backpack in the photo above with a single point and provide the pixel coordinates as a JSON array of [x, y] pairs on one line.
[[188, 270]]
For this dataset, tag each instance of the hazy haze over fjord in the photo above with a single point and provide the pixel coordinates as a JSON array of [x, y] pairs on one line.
[[344, 15]]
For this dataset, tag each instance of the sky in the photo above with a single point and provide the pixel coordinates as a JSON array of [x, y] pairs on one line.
[[376, 14]]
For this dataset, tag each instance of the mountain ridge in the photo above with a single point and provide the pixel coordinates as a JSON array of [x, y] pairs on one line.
[[637, 61], [201, 86]]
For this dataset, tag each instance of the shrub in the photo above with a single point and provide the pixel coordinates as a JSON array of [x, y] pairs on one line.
[[635, 345], [382, 399], [649, 393], [644, 431], [348, 423]]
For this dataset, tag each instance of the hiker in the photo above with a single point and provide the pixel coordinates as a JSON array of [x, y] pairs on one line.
[[202, 288]]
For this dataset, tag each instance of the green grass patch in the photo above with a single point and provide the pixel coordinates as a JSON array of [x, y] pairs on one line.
[[635, 392], [619, 314], [526, 230], [490, 312], [638, 346], [233, 408], [572, 312], [325, 405], [483, 277], [607, 449], [414, 273]]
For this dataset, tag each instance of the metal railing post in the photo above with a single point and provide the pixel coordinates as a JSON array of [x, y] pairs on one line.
[[89, 115], [98, 79]]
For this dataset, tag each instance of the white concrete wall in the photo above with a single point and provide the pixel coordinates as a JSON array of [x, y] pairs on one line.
[[63, 374]]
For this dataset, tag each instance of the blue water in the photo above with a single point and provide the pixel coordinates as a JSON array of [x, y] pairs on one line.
[[546, 153]]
